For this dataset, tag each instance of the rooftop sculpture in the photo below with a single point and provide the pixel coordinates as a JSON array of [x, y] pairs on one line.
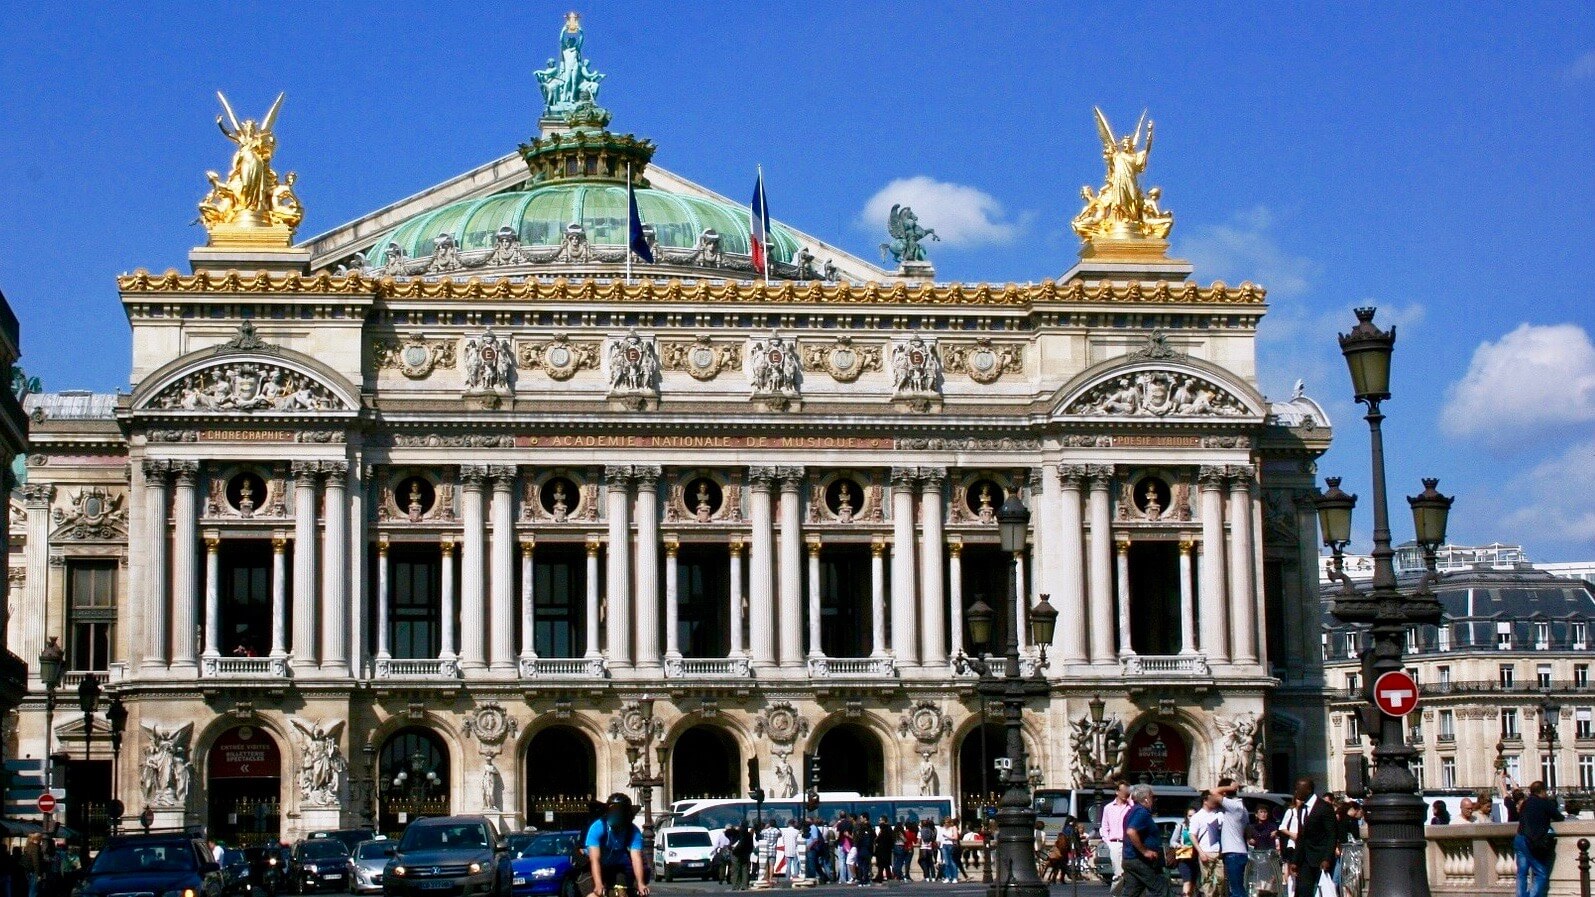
[[1120, 210], [569, 80], [250, 205]]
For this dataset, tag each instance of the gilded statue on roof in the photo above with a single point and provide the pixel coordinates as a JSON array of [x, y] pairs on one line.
[[250, 195], [569, 80], [1121, 209]]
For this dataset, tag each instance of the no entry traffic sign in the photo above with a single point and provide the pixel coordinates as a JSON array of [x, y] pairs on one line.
[[46, 803], [1395, 693]]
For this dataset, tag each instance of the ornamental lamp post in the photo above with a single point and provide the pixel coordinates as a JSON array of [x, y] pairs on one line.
[[52, 662], [1397, 866], [88, 701], [644, 777], [1016, 815], [1548, 713], [116, 715]]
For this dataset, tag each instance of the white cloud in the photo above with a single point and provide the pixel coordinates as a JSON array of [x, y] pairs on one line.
[[1535, 377], [1245, 248], [1583, 66], [1555, 496], [961, 215]]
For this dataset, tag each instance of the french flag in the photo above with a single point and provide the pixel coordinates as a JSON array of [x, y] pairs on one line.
[[759, 227]]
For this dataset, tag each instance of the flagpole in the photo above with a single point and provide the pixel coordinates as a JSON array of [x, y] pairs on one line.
[[764, 216], [628, 221]]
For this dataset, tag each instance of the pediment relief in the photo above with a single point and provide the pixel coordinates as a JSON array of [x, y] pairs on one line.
[[247, 385], [1158, 393]]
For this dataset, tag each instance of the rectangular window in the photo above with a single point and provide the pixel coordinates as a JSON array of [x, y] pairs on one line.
[[1542, 636], [1586, 771], [1580, 636], [1350, 643], [1448, 726], [1412, 640], [91, 597], [1448, 772], [1548, 771], [1443, 637], [1444, 673], [1413, 672], [1584, 722], [1507, 675], [1351, 684], [1542, 676], [1353, 728], [1581, 675], [1416, 765], [1415, 729], [1513, 769], [1503, 636], [415, 620], [1509, 728]]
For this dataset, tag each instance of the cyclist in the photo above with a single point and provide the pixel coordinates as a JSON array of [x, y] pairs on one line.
[[614, 851]]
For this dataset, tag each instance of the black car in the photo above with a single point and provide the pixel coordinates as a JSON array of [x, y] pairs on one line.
[[153, 864], [268, 868], [320, 865], [450, 856], [235, 873], [349, 837]]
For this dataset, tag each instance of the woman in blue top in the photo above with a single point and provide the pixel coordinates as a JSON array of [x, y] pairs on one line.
[[614, 850]]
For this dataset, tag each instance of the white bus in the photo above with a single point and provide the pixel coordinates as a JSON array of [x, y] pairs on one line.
[[717, 813]]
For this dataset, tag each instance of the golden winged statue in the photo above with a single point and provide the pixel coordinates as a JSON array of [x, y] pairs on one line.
[[1120, 209], [250, 196]]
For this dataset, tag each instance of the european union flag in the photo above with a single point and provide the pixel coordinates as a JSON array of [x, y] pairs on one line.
[[639, 244]]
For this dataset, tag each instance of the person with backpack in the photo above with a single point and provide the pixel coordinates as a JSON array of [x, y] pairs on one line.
[[741, 857], [614, 850]]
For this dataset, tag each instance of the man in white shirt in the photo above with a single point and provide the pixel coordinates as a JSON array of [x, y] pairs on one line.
[[1205, 833], [794, 849], [1232, 836]]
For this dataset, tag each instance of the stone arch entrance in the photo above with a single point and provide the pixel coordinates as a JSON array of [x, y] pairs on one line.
[[243, 772], [413, 778], [852, 759], [705, 761], [561, 775], [978, 751], [1157, 752]]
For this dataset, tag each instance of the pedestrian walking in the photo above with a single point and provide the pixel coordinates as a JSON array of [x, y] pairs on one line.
[[1111, 830], [1232, 836], [1316, 840], [1143, 842], [947, 839], [926, 842]]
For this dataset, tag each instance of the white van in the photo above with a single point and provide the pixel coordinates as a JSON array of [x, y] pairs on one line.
[[683, 851]]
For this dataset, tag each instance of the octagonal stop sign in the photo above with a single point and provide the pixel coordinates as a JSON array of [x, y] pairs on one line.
[[1395, 693]]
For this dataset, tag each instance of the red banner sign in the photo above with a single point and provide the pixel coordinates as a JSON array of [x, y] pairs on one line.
[[1157, 754], [245, 753]]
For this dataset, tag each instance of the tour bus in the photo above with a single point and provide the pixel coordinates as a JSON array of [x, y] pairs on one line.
[[717, 813]]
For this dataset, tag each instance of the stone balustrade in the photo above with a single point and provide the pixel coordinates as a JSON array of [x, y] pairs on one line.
[[1478, 859]]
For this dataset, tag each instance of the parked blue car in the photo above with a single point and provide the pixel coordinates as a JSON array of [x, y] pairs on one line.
[[540, 860]]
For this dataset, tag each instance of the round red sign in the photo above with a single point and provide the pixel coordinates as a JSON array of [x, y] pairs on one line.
[[1395, 693], [46, 803]]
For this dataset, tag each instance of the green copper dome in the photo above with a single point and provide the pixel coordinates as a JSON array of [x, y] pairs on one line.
[[540, 215]]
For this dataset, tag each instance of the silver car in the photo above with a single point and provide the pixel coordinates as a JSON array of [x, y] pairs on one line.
[[369, 859]]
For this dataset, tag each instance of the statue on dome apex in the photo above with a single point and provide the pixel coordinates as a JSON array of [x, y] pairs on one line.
[[1120, 210], [569, 80]]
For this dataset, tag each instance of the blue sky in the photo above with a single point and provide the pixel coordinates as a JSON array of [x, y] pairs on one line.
[[1433, 159]]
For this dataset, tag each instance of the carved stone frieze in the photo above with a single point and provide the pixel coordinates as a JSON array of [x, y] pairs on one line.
[[926, 723], [559, 357], [246, 386], [782, 724], [491, 725], [702, 358], [322, 765], [984, 361], [453, 440], [774, 369], [916, 367], [1158, 394], [968, 444], [633, 363], [94, 514], [415, 356]]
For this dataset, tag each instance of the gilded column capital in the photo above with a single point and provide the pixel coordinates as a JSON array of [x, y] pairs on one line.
[[473, 476], [903, 478], [1072, 476], [647, 475], [1211, 476], [1187, 544], [617, 476], [791, 478], [528, 545], [814, 546], [155, 470], [447, 546], [955, 548], [877, 548], [1100, 476], [503, 476], [1121, 544], [932, 478], [186, 473], [279, 542], [38, 495], [762, 479], [213, 542], [672, 546], [735, 547], [593, 544], [382, 546]]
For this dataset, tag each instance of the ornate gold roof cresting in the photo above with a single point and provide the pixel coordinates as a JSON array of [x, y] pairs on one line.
[[250, 207]]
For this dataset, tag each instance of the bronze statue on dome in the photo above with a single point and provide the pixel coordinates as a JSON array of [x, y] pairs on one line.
[[1121, 209], [568, 81]]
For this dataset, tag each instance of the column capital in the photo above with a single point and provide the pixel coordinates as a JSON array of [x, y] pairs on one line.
[[672, 546], [814, 546], [39, 495], [1072, 476], [1240, 476], [617, 476], [1121, 544], [593, 544], [791, 478], [213, 542], [447, 546], [336, 472], [503, 476], [155, 469], [279, 542], [877, 548], [1187, 545], [932, 478], [903, 478], [647, 475], [735, 547], [763, 478], [528, 545], [955, 546], [473, 476], [305, 470], [1211, 476], [186, 472], [1100, 476], [382, 546]]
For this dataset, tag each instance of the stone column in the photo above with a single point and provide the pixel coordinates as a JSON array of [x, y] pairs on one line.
[[1122, 550], [213, 596], [304, 648], [358, 543], [1242, 603], [1210, 483], [647, 593], [672, 599], [955, 589], [528, 602], [157, 634], [1101, 590], [384, 598], [450, 647], [877, 604], [335, 570], [36, 498], [617, 483], [1049, 538], [735, 611], [1187, 599], [791, 567], [279, 595], [815, 647], [591, 623], [933, 643], [473, 572], [185, 564], [761, 569], [1070, 639], [905, 610], [501, 579]]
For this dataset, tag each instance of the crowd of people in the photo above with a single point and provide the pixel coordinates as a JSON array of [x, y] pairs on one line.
[[853, 850]]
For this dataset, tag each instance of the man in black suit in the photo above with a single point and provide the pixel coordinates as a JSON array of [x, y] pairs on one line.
[[1317, 839]]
